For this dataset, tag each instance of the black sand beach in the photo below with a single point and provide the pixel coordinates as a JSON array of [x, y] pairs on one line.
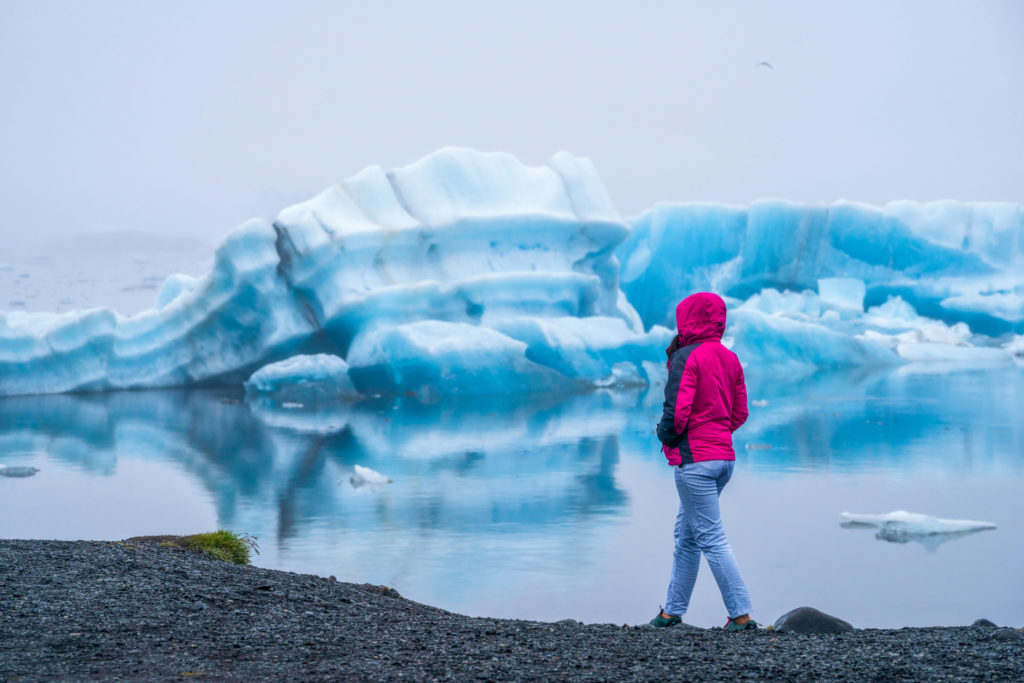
[[139, 611]]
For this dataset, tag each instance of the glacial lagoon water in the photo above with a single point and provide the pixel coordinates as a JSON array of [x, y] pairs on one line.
[[560, 507]]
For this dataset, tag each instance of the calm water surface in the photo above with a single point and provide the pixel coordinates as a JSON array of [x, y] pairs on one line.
[[559, 508]]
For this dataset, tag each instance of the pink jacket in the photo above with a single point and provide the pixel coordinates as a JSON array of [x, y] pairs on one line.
[[705, 396]]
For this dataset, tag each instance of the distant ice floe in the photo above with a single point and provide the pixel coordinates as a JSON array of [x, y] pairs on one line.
[[365, 477], [901, 526], [469, 273], [17, 471]]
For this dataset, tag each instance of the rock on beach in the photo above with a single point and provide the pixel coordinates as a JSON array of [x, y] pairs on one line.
[[808, 620]]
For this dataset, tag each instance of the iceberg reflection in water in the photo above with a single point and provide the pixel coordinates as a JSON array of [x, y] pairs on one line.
[[554, 509]]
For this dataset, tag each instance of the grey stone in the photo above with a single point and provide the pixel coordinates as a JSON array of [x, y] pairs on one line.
[[984, 623], [810, 620], [1007, 634]]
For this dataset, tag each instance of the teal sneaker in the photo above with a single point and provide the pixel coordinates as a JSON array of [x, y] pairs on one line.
[[733, 626], [661, 621]]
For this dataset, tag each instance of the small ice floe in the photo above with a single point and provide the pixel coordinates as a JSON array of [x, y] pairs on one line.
[[364, 476], [901, 526], [17, 471], [759, 403]]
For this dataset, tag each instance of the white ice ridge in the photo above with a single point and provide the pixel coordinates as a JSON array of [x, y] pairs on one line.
[[477, 244], [915, 524], [952, 261]]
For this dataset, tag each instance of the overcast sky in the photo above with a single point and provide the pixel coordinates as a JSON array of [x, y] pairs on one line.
[[189, 117]]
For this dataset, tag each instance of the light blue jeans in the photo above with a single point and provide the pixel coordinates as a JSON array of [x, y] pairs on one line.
[[699, 530]]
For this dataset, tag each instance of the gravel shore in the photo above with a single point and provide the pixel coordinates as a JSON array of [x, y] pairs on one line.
[[138, 611]]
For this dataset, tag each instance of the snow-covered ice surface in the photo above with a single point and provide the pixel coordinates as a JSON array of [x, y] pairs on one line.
[[471, 273]]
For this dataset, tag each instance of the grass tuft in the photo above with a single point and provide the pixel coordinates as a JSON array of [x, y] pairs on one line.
[[222, 545]]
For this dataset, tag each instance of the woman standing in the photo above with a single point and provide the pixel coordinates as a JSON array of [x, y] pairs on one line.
[[705, 402]]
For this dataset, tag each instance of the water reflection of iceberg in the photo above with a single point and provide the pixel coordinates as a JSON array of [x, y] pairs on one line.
[[461, 467], [887, 420], [930, 541], [491, 498]]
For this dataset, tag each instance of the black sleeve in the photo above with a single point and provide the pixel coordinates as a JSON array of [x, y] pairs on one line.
[[667, 428]]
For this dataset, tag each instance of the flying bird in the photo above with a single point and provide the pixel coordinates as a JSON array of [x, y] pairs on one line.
[[764, 64]]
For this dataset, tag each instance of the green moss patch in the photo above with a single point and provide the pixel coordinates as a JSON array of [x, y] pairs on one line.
[[223, 545]]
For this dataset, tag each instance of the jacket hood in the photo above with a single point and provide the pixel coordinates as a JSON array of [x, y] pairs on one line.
[[700, 317]]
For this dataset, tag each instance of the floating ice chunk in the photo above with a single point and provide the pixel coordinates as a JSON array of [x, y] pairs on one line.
[[303, 379], [433, 358], [17, 471], [364, 476], [805, 304], [894, 308], [1016, 346], [623, 374], [842, 293], [903, 527], [919, 339], [1006, 305], [914, 524], [896, 314], [776, 343], [587, 349]]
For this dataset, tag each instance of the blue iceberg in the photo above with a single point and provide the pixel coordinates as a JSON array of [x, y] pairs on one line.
[[457, 273], [952, 261], [470, 273]]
